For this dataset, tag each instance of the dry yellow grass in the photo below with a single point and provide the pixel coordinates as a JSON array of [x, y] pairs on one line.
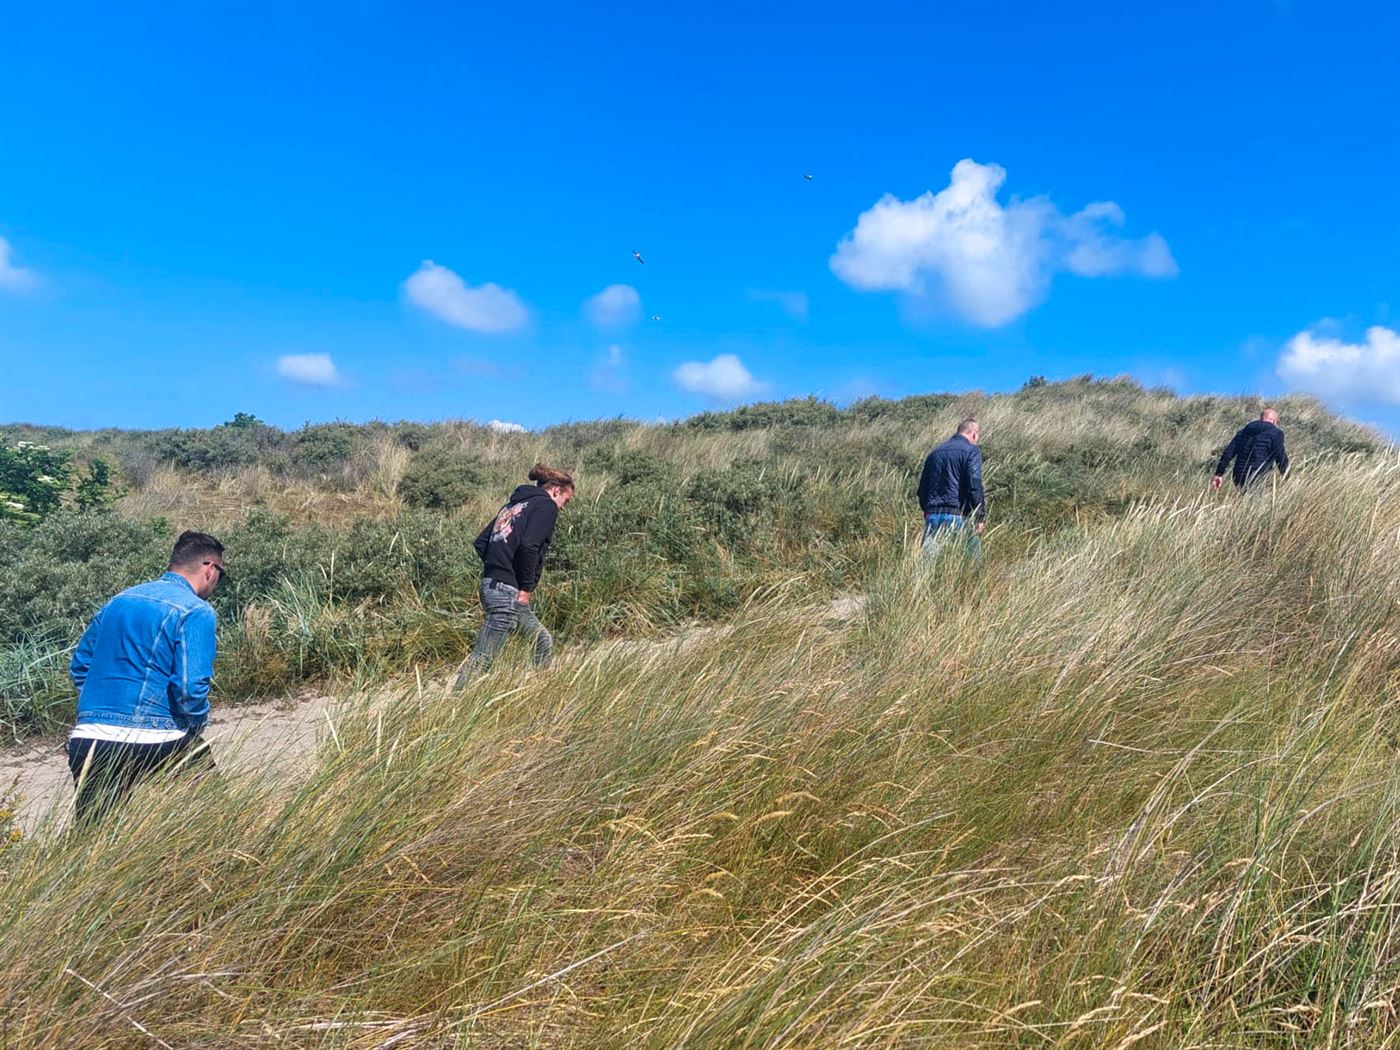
[[1133, 787]]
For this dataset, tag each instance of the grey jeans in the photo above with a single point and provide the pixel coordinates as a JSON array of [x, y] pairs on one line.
[[504, 613]]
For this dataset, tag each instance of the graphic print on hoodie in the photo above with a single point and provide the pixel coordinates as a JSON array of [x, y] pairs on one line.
[[504, 524], [513, 546]]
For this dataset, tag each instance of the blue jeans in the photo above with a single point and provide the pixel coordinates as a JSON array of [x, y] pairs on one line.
[[504, 614], [945, 530]]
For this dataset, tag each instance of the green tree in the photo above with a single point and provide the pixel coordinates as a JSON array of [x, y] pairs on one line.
[[96, 488], [33, 479]]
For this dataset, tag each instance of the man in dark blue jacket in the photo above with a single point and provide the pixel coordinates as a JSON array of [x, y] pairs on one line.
[[950, 491], [1255, 449]]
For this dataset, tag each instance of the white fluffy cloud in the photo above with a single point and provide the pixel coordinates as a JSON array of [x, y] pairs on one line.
[[1365, 372], [309, 370], [14, 278], [987, 262], [725, 378], [616, 306], [447, 297], [500, 426]]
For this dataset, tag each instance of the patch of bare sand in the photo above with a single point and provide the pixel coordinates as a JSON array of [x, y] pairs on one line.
[[274, 735]]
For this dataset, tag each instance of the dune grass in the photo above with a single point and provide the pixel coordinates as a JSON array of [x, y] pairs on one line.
[[336, 578], [1130, 783]]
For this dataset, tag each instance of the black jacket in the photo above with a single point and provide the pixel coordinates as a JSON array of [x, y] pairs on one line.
[[1257, 447], [952, 480], [513, 545]]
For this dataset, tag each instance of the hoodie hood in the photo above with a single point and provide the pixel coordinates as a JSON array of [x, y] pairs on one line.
[[527, 492]]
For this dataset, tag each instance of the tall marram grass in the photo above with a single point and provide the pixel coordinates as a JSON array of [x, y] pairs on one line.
[[1132, 784], [349, 545]]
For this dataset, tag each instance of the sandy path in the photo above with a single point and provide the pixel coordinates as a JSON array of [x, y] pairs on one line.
[[281, 734], [276, 734]]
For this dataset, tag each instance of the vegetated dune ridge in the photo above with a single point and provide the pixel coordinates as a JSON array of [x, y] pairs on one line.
[[1134, 783], [348, 546]]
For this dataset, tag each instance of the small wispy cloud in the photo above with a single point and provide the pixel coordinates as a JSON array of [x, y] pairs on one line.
[[724, 378], [440, 292], [15, 278], [500, 426], [314, 370], [988, 263], [610, 373], [616, 306], [1366, 373], [794, 304]]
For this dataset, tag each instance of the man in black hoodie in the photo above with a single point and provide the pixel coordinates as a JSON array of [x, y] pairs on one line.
[[1256, 448], [512, 550]]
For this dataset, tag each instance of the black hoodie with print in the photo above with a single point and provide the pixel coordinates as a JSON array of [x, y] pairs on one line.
[[513, 545]]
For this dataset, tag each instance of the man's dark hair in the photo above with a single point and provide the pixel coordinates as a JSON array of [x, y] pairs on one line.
[[967, 426], [193, 548]]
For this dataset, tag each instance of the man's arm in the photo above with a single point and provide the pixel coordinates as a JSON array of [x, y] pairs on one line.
[[82, 656], [974, 483], [194, 668], [1281, 455], [1227, 455], [924, 482], [529, 556]]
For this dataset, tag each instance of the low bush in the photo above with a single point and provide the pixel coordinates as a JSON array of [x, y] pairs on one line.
[[799, 412], [54, 575], [440, 479], [317, 449]]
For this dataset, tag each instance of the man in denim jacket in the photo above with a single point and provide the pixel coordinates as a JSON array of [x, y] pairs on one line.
[[142, 670]]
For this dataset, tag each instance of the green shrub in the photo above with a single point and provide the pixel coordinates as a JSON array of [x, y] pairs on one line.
[[424, 553], [412, 436], [799, 412], [631, 466], [736, 501], [921, 408], [576, 436], [58, 572], [221, 448], [440, 479], [33, 479], [96, 489], [261, 552], [319, 448]]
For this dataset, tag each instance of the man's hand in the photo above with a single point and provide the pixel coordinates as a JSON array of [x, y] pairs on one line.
[[981, 527], [1216, 481], [523, 598]]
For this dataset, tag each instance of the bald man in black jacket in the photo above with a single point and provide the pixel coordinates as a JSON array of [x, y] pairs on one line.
[[1257, 447]]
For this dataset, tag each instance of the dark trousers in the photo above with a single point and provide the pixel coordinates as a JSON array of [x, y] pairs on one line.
[[104, 772]]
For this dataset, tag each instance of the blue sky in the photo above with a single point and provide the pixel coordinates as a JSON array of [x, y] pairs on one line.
[[375, 210]]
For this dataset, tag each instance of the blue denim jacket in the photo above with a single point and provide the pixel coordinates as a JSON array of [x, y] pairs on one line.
[[146, 659]]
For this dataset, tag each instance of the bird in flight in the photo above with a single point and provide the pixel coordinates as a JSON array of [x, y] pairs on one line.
[[656, 317], [808, 176], [638, 256]]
